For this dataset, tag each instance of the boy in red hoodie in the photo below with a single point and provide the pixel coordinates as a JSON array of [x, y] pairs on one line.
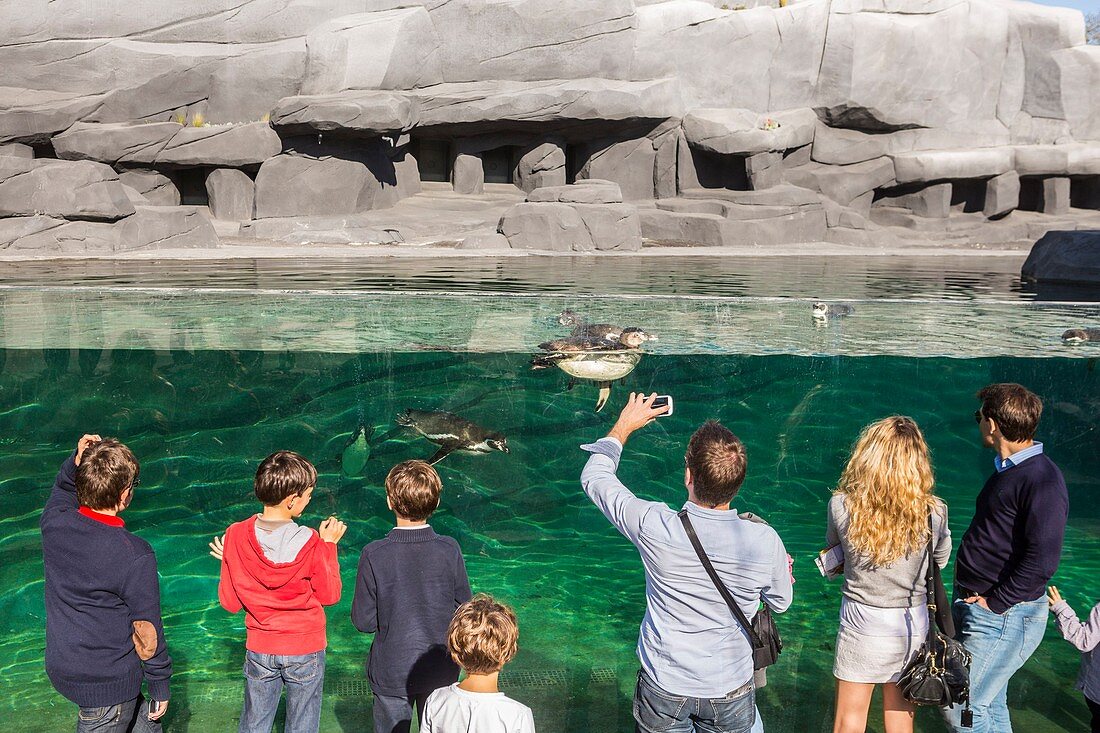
[[282, 574]]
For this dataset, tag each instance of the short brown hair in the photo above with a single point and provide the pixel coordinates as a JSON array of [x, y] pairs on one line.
[[106, 470], [717, 461], [1014, 408], [282, 474], [483, 635], [413, 488]]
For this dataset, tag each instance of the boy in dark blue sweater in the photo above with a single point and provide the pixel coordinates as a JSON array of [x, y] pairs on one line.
[[406, 591], [104, 634], [1008, 555]]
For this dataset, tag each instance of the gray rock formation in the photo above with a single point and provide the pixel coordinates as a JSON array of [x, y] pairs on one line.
[[231, 193], [149, 228], [853, 101], [541, 165], [1065, 257], [1002, 194], [17, 150], [588, 191], [572, 227], [61, 189], [156, 187], [293, 185], [222, 146]]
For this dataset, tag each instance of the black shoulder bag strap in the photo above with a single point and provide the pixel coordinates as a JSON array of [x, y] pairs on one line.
[[737, 612], [933, 620]]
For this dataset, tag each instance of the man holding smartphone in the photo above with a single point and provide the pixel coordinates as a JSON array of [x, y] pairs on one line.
[[104, 634], [695, 674]]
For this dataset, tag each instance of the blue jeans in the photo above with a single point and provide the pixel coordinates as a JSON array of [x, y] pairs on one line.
[[394, 714], [264, 678], [999, 645], [657, 711], [131, 716]]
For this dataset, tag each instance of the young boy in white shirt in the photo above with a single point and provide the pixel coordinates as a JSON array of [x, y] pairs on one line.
[[482, 638]]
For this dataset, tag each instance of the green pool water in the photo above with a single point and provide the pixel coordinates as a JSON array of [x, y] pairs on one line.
[[203, 393]]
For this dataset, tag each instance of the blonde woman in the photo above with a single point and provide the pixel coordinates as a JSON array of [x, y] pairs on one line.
[[879, 515]]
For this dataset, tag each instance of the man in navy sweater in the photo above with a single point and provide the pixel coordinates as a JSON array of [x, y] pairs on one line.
[[104, 634], [1008, 555]]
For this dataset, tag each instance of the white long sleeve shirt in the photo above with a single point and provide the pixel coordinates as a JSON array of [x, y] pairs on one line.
[[690, 643]]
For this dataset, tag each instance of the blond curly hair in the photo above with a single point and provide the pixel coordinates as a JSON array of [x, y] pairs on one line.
[[887, 488]]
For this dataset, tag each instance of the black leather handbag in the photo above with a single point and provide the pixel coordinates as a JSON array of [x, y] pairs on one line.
[[762, 632], [939, 673]]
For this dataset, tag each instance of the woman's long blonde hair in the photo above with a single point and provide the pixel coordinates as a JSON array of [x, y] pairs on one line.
[[887, 488]]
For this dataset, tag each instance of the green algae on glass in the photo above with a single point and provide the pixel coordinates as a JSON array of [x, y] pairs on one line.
[[200, 421]]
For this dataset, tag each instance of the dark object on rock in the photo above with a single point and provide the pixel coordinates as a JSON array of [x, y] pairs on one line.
[[1065, 257]]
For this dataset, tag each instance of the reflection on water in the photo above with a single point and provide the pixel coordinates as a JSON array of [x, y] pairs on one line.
[[963, 277], [200, 418]]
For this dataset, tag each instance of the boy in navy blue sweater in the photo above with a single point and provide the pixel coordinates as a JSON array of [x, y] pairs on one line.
[[407, 589], [104, 634]]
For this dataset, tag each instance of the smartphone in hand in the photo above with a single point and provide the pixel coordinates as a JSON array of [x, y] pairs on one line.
[[661, 401]]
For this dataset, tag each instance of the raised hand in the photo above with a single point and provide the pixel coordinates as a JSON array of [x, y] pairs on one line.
[[638, 413], [1053, 596], [85, 442], [217, 548], [332, 529]]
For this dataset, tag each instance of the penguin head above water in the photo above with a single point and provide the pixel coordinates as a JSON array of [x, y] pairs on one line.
[[570, 319], [632, 338], [498, 442], [1075, 336], [821, 310]]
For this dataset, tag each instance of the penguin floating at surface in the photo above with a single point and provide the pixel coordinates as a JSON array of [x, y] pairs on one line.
[[356, 452], [582, 328], [824, 311], [1082, 336], [596, 360], [452, 433]]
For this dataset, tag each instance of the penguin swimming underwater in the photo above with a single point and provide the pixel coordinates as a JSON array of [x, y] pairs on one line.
[[822, 311], [1081, 335], [356, 452], [452, 433]]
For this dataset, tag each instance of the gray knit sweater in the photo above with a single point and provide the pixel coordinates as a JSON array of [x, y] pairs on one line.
[[1086, 637], [898, 585]]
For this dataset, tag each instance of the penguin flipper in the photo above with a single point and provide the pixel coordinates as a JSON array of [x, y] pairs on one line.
[[445, 450], [605, 392]]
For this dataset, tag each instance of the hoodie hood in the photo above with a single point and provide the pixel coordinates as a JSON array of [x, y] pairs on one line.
[[255, 556]]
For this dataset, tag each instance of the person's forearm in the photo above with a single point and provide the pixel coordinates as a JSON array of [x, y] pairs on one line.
[[619, 433]]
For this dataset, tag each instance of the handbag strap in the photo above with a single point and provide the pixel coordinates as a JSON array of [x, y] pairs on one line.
[[931, 584], [737, 612]]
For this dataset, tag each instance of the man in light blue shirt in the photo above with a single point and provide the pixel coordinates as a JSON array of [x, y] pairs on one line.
[[697, 666]]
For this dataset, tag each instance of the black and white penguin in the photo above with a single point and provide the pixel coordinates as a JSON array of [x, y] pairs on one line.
[[452, 433], [573, 320], [822, 311], [1082, 336]]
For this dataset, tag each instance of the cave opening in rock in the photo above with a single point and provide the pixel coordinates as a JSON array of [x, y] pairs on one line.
[[433, 157]]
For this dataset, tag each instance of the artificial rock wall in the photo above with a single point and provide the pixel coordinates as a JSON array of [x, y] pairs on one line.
[[842, 115]]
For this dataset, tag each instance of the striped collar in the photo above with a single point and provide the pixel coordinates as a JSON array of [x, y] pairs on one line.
[[1017, 458]]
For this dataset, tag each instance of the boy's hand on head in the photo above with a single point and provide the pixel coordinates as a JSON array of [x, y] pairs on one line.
[[638, 413], [332, 529], [217, 548], [83, 444]]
